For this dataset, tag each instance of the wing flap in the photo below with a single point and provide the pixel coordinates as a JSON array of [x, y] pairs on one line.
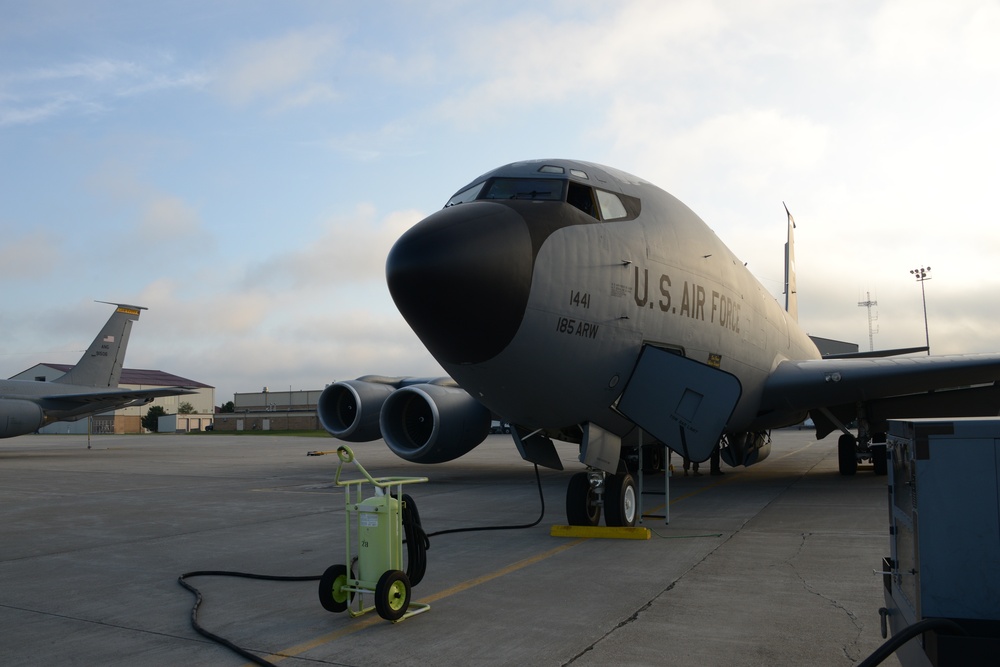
[[121, 396], [978, 401], [795, 386]]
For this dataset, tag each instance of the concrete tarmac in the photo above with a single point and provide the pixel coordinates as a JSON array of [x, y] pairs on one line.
[[770, 565]]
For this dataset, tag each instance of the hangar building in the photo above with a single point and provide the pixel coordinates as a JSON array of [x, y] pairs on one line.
[[272, 411]]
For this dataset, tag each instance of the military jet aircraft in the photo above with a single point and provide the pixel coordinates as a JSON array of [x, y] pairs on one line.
[[89, 388], [587, 305]]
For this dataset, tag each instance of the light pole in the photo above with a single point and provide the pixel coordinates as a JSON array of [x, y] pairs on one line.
[[922, 274]]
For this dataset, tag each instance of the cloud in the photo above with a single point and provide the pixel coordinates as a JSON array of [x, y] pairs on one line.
[[934, 38], [349, 250], [15, 112], [167, 217], [239, 337], [30, 255], [568, 59], [746, 148], [281, 68], [152, 217], [85, 87], [93, 70]]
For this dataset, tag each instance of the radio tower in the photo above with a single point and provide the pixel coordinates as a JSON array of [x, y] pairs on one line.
[[872, 329]]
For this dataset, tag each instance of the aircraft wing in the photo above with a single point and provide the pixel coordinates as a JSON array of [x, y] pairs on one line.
[[897, 387], [114, 397]]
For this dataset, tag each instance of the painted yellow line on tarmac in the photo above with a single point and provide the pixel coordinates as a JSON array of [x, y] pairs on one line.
[[373, 619]]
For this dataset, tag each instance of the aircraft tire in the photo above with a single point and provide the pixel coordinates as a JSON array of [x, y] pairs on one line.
[[652, 459], [581, 504], [392, 595], [847, 448], [620, 505], [879, 460], [331, 593]]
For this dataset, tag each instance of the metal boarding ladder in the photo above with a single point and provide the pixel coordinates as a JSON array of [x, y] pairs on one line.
[[666, 486]]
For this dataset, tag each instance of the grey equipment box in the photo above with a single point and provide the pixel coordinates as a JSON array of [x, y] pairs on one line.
[[944, 535]]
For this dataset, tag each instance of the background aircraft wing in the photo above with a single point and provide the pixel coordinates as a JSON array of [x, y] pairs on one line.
[[113, 397], [898, 387]]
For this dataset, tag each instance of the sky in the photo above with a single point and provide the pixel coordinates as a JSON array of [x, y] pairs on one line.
[[241, 168]]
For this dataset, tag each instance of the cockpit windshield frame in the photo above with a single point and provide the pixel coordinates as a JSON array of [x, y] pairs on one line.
[[532, 189], [599, 204], [468, 194]]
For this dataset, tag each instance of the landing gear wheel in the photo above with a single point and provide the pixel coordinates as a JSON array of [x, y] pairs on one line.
[[332, 595], [620, 506], [392, 595], [581, 502], [847, 454], [879, 460], [652, 459]]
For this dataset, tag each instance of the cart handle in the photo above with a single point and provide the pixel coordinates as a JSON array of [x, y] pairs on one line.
[[345, 455]]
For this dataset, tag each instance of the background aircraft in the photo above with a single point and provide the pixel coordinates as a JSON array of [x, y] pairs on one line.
[[585, 304], [87, 389]]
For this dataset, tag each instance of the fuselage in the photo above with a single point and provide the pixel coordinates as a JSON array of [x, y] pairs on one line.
[[538, 284]]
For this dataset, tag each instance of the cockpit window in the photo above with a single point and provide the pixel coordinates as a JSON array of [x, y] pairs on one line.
[[611, 205], [582, 197], [468, 194], [538, 189], [598, 204]]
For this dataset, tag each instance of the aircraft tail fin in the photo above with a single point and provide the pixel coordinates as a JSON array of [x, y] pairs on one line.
[[791, 289], [101, 364]]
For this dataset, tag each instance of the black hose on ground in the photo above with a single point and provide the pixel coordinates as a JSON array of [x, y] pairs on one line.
[[906, 634], [182, 580]]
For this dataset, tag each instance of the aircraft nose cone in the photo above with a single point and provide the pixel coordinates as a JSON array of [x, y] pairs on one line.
[[461, 278]]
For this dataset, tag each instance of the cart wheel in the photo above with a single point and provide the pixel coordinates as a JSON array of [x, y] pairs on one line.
[[332, 595], [392, 595]]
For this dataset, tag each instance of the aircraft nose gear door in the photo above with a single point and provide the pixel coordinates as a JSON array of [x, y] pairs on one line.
[[682, 403]]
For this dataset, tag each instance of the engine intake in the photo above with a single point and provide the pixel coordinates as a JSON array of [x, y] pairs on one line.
[[350, 409], [431, 423]]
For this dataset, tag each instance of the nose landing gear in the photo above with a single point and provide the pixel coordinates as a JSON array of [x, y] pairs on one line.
[[590, 492]]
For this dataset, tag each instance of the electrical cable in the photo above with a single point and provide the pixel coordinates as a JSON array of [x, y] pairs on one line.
[[908, 633], [417, 543], [182, 580], [534, 523]]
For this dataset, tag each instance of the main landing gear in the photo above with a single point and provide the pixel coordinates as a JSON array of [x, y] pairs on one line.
[[851, 450], [590, 492]]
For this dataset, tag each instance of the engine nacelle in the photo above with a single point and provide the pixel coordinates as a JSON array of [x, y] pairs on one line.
[[350, 409], [430, 423], [746, 449], [19, 417]]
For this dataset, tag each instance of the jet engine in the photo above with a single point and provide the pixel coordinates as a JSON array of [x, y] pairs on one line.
[[431, 423], [350, 409], [19, 417], [745, 449]]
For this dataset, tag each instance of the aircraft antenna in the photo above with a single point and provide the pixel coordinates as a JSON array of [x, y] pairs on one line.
[[872, 320]]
